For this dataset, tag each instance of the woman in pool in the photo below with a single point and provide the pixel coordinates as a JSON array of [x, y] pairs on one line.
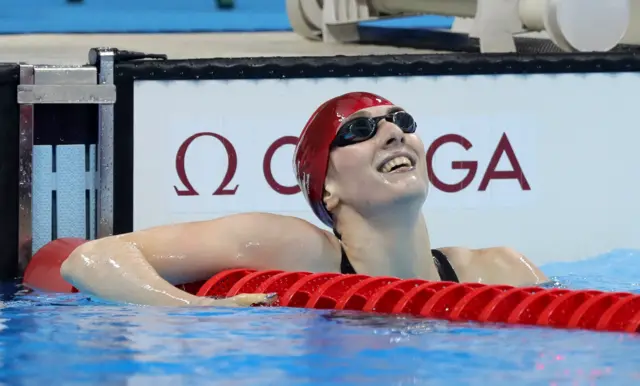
[[362, 169]]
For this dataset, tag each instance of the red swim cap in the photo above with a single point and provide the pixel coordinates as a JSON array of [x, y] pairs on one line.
[[311, 157]]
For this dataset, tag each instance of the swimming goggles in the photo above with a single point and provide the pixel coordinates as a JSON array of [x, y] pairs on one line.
[[363, 128]]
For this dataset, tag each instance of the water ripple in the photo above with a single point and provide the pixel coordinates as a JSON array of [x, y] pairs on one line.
[[73, 339]]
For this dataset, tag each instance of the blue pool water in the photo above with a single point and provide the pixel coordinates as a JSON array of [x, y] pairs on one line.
[[154, 16], [73, 340]]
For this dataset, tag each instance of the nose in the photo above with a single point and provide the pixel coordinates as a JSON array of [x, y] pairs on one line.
[[393, 135]]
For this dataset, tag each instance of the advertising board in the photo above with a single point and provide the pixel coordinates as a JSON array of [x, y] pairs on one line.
[[543, 163]]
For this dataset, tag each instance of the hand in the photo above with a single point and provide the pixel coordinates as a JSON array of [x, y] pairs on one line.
[[242, 300]]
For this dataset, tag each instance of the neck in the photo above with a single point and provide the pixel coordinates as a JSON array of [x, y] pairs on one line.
[[394, 242]]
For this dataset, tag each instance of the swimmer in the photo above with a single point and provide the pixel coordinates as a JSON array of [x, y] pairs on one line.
[[362, 168]]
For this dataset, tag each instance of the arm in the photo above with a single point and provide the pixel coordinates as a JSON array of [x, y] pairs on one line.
[[143, 267]]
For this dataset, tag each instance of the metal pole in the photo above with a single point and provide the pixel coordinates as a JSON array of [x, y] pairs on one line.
[[25, 186], [104, 59]]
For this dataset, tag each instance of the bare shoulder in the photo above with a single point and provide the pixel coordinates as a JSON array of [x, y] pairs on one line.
[[255, 224], [263, 240], [495, 265], [276, 226]]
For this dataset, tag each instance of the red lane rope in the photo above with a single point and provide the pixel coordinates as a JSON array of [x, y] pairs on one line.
[[559, 308]]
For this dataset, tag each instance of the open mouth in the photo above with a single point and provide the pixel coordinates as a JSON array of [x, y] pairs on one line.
[[397, 164]]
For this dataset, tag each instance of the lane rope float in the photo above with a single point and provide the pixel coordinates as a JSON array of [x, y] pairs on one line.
[[557, 308]]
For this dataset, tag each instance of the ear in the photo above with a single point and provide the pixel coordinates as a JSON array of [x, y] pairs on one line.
[[330, 196]]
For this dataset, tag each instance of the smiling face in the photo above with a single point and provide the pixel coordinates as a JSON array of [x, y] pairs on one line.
[[386, 169]]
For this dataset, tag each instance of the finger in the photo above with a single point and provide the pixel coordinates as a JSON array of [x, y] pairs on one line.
[[251, 299]]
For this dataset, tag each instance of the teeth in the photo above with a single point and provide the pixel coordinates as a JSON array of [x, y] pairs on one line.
[[398, 161]]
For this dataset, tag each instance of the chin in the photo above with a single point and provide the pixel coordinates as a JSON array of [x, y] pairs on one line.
[[405, 184], [412, 194], [393, 190]]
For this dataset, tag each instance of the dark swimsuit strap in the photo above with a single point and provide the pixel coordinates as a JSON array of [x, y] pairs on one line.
[[446, 271]]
